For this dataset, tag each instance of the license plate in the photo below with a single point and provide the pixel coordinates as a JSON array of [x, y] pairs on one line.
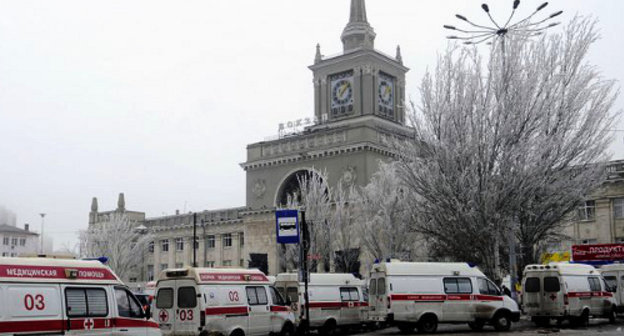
[[165, 326]]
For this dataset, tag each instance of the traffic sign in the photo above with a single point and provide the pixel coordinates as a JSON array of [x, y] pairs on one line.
[[287, 226]]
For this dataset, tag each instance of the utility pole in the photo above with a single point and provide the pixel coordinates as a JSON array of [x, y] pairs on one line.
[[306, 272], [194, 239]]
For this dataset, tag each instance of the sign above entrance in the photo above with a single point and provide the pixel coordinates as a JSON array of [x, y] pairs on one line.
[[287, 226], [295, 126], [602, 252]]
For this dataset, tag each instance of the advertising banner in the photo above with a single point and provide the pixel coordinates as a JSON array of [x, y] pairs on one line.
[[601, 252]]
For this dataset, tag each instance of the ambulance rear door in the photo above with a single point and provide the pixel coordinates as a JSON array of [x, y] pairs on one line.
[[186, 303], [378, 295], [165, 312]]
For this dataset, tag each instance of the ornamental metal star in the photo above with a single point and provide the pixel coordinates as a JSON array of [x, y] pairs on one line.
[[521, 28]]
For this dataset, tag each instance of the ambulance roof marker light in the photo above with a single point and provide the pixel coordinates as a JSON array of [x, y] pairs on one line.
[[101, 259]]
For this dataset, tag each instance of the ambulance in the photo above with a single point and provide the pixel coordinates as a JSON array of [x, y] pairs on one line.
[[336, 299], [422, 295], [42, 296], [563, 291], [614, 278], [227, 301]]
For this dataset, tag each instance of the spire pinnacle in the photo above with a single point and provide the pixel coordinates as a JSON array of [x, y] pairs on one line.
[[358, 33], [121, 202], [318, 57], [398, 57], [94, 204]]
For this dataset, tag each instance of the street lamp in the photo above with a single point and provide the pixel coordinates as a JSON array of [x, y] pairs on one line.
[[524, 29], [142, 230], [41, 242]]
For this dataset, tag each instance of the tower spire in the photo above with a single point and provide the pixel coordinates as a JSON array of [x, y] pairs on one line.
[[358, 33]]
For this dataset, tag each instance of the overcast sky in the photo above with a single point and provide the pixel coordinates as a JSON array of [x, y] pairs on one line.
[[158, 99]]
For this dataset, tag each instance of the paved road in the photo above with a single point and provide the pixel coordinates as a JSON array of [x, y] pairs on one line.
[[525, 328]]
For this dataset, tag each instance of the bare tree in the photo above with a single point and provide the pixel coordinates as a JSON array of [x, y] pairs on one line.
[[120, 241], [344, 233], [507, 148], [386, 229]]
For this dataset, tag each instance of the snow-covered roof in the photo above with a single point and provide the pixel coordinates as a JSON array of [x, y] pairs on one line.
[[4, 228], [563, 268], [427, 268], [612, 267]]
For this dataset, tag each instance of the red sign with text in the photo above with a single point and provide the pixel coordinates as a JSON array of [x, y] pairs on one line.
[[602, 252]]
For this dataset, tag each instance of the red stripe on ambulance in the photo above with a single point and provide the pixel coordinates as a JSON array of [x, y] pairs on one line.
[[443, 298], [52, 272], [227, 310]]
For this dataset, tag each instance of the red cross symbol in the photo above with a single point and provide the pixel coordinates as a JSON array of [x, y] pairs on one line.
[[163, 315], [88, 324], [553, 297]]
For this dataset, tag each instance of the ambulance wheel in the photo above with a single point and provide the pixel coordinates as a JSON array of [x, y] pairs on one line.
[[476, 325], [329, 328], [612, 315], [501, 321], [428, 324], [288, 330], [406, 328], [583, 320], [237, 332]]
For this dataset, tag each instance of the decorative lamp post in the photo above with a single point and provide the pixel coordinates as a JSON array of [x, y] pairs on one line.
[[525, 28]]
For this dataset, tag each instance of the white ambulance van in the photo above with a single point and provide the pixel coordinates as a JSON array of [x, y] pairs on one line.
[[421, 295], [614, 278], [562, 291], [232, 302], [336, 300], [43, 296]]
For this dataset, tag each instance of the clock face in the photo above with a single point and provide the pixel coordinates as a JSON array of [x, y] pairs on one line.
[[341, 92], [386, 92], [385, 95]]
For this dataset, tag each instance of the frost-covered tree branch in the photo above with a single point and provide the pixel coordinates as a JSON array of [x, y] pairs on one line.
[[513, 148], [120, 241]]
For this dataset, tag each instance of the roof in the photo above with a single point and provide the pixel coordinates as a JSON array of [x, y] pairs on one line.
[[562, 268], [4, 228], [48, 270], [427, 268], [612, 267], [215, 275], [322, 278]]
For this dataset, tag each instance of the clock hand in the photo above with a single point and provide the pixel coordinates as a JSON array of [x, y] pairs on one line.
[[343, 88]]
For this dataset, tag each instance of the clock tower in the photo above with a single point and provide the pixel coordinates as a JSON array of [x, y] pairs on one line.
[[360, 81]]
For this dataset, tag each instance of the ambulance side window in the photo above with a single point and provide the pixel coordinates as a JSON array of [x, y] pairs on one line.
[[164, 299], [187, 298], [86, 302], [457, 285], [349, 294], [127, 304], [256, 296], [381, 286], [594, 284], [373, 287], [276, 297], [611, 282]]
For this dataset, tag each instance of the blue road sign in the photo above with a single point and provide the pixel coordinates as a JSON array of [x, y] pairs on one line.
[[287, 226]]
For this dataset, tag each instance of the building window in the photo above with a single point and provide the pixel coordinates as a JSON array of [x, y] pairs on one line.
[[14, 241], [179, 265], [133, 279], [587, 211], [150, 247], [241, 239], [227, 263], [227, 240], [150, 272], [5, 254], [588, 241], [13, 254], [179, 244], [618, 208], [209, 263], [164, 266], [210, 242], [22, 241], [5, 241], [242, 263], [164, 245]]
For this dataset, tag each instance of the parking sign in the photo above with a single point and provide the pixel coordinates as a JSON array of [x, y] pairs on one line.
[[287, 226]]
